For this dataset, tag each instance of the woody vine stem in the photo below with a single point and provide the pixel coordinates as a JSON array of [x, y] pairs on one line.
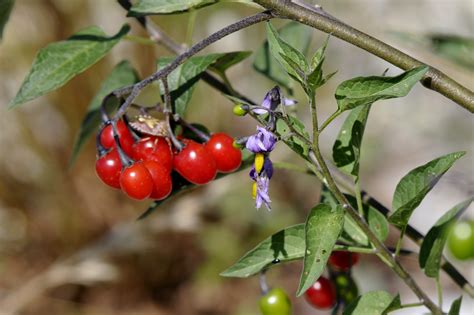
[[315, 17]]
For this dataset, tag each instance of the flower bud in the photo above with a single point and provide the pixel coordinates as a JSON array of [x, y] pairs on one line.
[[240, 110]]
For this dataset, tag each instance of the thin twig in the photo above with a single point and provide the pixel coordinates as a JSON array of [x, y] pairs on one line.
[[135, 89], [167, 110]]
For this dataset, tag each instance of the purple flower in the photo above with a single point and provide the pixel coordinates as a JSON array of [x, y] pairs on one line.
[[272, 99], [266, 171], [261, 172], [262, 142], [261, 192]]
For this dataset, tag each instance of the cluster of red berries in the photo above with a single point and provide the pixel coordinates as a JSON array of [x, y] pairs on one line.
[[324, 293], [142, 169]]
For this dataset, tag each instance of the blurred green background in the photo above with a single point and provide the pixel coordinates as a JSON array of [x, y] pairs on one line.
[[71, 245]]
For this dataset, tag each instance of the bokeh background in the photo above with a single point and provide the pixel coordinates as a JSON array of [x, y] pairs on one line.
[[71, 245]]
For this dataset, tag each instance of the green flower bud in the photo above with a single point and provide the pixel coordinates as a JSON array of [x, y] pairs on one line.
[[240, 110]]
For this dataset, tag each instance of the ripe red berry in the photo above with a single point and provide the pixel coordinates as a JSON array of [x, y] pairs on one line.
[[343, 260], [136, 182], [322, 294], [108, 168], [195, 163], [126, 139], [162, 183], [154, 149], [227, 157]]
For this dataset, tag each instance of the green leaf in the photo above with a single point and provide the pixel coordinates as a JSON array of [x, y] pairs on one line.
[[322, 229], [414, 186], [149, 7], [432, 247], [346, 149], [455, 48], [286, 245], [318, 57], [352, 232], [183, 79], [229, 60], [293, 61], [122, 75], [456, 307], [294, 34], [6, 7], [366, 90], [295, 143], [394, 305], [371, 303], [315, 77], [59, 62]]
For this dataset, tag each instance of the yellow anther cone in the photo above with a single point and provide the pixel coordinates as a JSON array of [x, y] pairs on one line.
[[259, 160]]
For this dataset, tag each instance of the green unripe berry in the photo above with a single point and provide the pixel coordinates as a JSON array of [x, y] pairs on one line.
[[461, 240], [346, 288], [240, 110], [275, 302]]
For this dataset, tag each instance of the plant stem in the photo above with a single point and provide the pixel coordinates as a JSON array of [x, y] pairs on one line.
[[355, 249], [439, 289], [167, 110], [358, 195], [139, 40], [434, 79], [190, 27], [314, 118], [329, 120], [135, 89], [411, 305], [399, 241]]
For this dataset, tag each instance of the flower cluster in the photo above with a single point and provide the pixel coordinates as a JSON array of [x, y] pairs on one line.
[[262, 143]]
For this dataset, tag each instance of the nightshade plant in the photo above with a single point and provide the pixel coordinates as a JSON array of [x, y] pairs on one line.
[[346, 219]]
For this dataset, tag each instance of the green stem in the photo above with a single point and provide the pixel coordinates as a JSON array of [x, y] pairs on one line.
[[439, 289], [358, 195], [411, 305], [399, 242], [321, 20], [190, 28], [329, 120], [139, 40], [355, 249], [314, 118]]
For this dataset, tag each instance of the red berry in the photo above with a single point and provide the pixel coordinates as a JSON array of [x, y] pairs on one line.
[[162, 183], [108, 168], [343, 260], [227, 157], [136, 182], [126, 139], [322, 294], [195, 163], [154, 149]]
